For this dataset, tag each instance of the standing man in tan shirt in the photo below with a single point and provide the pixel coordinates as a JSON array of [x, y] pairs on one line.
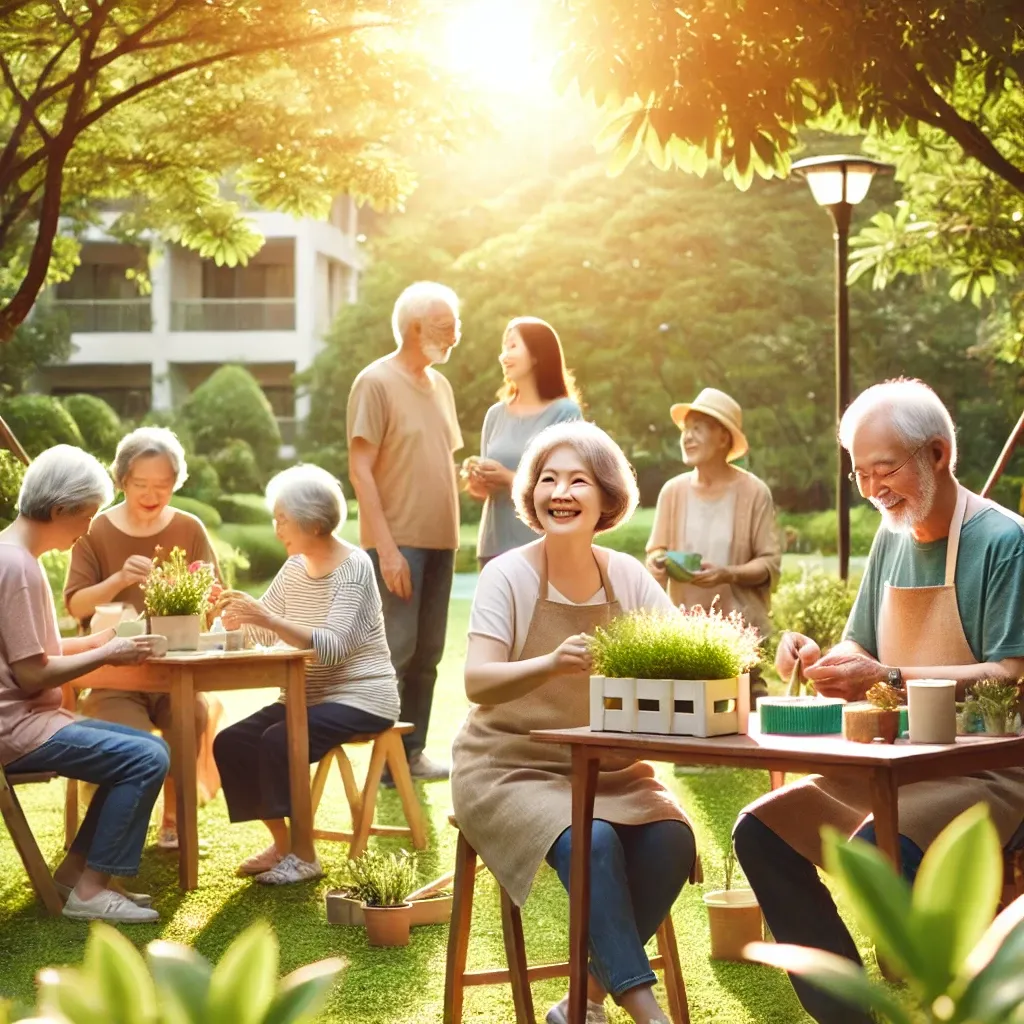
[[402, 433]]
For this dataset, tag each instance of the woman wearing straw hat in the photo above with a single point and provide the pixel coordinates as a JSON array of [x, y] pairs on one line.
[[717, 511]]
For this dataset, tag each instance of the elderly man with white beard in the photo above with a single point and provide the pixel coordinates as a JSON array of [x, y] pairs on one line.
[[942, 597]]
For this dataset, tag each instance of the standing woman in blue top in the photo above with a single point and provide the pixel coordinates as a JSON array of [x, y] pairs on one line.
[[538, 391]]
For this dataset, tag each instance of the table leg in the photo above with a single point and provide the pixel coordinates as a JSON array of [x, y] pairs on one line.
[[584, 788], [183, 747], [298, 756], [885, 806]]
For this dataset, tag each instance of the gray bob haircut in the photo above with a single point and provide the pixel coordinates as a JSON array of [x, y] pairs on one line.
[[310, 496], [916, 413], [63, 477], [609, 467], [145, 442], [414, 303]]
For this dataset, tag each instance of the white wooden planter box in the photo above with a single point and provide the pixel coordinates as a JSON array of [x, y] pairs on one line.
[[670, 707]]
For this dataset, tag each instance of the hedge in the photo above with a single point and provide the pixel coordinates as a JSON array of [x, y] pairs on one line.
[[203, 482], [12, 471], [39, 422], [237, 468], [243, 508], [259, 544], [99, 424], [206, 514]]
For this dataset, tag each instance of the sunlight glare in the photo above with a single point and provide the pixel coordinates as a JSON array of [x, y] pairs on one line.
[[495, 44]]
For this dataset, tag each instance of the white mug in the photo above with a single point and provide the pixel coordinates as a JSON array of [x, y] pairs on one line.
[[931, 707]]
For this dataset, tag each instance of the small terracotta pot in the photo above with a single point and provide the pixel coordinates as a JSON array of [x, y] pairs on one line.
[[432, 910], [735, 919], [387, 926]]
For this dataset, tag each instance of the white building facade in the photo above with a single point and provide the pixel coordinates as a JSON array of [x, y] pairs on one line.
[[148, 352]]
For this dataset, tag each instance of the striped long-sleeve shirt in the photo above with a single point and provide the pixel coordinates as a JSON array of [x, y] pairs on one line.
[[353, 663]]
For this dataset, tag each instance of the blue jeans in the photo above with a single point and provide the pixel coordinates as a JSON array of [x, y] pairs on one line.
[[415, 631], [636, 873], [799, 908], [128, 766]]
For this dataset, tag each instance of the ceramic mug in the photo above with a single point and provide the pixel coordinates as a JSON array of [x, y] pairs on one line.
[[931, 705]]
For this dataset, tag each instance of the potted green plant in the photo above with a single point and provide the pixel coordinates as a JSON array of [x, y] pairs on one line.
[[996, 704], [876, 717], [734, 917], [383, 881], [176, 596], [430, 905], [681, 673]]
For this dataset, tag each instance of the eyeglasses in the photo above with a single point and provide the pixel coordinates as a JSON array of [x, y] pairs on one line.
[[860, 479]]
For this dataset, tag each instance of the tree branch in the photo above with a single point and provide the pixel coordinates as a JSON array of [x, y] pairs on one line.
[[19, 98], [14, 210]]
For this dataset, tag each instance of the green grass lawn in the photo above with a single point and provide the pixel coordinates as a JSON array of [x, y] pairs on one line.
[[401, 985]]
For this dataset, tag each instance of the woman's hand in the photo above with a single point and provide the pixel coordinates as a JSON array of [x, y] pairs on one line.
[[237, 608], [572, 656], [709, 575], [136, 569], [128, 650], [492, 476]]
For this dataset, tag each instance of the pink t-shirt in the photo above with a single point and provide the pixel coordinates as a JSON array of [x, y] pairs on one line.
[[28, 627]]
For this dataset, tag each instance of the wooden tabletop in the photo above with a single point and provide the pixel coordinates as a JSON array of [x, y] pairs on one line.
[[263, 653]]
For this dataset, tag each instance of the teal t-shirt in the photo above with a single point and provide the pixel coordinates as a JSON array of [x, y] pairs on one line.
[[989, 583]]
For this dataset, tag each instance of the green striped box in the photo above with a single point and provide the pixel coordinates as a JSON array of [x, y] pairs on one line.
[[801, 716]]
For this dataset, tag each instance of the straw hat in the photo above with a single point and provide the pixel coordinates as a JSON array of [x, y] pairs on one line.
[[719, 406]]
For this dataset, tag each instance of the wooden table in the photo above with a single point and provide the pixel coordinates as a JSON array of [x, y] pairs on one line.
[[883, 767], [184, 674]]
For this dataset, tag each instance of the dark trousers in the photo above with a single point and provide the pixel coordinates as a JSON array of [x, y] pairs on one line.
[[252, 755], [415, 631]]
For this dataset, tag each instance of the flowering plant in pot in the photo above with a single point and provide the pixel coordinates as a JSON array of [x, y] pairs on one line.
[[177, 596], [680, 673], [384, 881], [734, 916]]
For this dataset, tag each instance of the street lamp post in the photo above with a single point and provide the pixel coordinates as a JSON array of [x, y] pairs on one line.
[[839, 183]]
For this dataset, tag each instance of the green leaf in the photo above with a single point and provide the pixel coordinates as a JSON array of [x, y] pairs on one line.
[[658, 154], [67, 994], [994, 968], [182, 979], [242, 984], [834, 974], [303, 992], [878, 898], [116, 968], [957, 890], [625, 150]]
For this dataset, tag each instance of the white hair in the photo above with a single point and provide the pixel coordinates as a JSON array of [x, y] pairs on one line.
[[63, 477], [415, 302], [310, 496], [145, 442], [916, 413]]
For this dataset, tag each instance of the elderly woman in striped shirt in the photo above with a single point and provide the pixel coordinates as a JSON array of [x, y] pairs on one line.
[[325, 597]]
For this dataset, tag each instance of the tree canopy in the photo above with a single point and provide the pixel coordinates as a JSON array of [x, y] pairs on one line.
[[149, 104]]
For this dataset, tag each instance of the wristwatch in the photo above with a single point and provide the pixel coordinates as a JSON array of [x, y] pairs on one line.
[[894, 677]]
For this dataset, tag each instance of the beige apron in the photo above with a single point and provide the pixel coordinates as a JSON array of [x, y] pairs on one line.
[[917, 626], [513, 797]]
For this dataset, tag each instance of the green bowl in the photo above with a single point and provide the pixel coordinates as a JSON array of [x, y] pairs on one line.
[[801, 716], [682, 565]]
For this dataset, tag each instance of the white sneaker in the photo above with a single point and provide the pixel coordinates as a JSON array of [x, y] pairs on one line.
[[290, 869], [108, 906], [140, 899], [559, 1013]]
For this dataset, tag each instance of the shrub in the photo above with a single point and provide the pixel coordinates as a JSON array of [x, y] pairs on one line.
[[232, 562], [39, 422], [630, 538], [332, 457], [172, 421], [693, 645], [203, 483], [55, 565], [237, 468], [231, 404], [12, 471], [206, 514], [810, 532], [100, 426], [259, 544], [243, 508], [470, 510], [814, 603]]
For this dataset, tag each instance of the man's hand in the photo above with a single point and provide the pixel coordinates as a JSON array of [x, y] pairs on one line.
[[572, 656], [794, 647], [709, 575], [396, 573], [849, 675], [136, 569]]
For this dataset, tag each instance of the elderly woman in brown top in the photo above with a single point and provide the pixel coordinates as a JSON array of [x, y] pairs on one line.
[[528, 667], [110, 561], [717, 511]]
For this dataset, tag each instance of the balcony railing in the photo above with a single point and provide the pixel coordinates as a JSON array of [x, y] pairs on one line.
[[233, 315], [100, 315]]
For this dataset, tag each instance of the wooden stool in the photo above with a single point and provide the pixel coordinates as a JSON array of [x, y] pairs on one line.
[[387, 749], [519, 974], [24, 842]]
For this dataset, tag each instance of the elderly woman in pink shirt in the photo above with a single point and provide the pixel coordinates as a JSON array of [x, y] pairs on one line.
[[62, 491]]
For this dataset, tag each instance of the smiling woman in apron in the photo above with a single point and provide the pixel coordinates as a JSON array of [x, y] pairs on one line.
[[942, 597], [528, 667]]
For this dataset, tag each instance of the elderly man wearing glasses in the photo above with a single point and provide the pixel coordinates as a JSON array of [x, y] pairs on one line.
[[942, 597]]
